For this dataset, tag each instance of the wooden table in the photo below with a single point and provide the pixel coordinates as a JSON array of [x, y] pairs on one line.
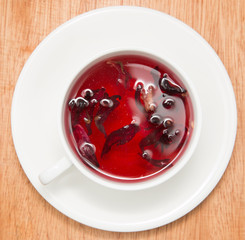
[[24, 214]]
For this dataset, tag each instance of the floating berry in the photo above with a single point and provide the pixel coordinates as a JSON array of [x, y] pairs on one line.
[[177, 132], [155, 119], [168, 122], [168, 103], [87, 93], [169, 86]]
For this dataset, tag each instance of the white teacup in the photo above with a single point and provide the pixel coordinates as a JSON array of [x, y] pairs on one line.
[[70, 158]]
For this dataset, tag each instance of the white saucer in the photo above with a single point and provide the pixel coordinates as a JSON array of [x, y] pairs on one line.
[[34, 117]]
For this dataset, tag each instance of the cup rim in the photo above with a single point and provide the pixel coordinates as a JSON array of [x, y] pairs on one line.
[[156, 180]]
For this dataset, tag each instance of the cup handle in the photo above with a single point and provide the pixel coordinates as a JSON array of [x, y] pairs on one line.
[[51, 173]]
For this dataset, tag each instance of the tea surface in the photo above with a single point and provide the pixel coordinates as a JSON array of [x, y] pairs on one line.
[[129, 117]]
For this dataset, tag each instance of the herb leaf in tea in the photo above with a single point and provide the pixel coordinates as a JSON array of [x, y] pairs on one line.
[[120, 136]]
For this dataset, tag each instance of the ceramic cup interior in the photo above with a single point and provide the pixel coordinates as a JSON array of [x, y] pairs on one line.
[[96, 174]]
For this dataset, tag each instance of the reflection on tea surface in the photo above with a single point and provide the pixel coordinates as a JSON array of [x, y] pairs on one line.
[[129, 117]]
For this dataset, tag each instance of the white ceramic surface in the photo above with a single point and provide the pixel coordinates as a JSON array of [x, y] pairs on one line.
[[34, 117]]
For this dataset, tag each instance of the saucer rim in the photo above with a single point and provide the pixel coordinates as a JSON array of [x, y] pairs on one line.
[[210, 182]]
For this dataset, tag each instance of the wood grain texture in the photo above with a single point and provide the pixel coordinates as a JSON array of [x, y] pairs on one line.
[[24, 214]]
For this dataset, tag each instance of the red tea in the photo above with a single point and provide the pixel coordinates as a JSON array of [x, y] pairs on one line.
[[129, 117]]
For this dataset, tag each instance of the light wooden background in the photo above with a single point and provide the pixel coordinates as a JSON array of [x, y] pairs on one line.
[[24, 214]]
